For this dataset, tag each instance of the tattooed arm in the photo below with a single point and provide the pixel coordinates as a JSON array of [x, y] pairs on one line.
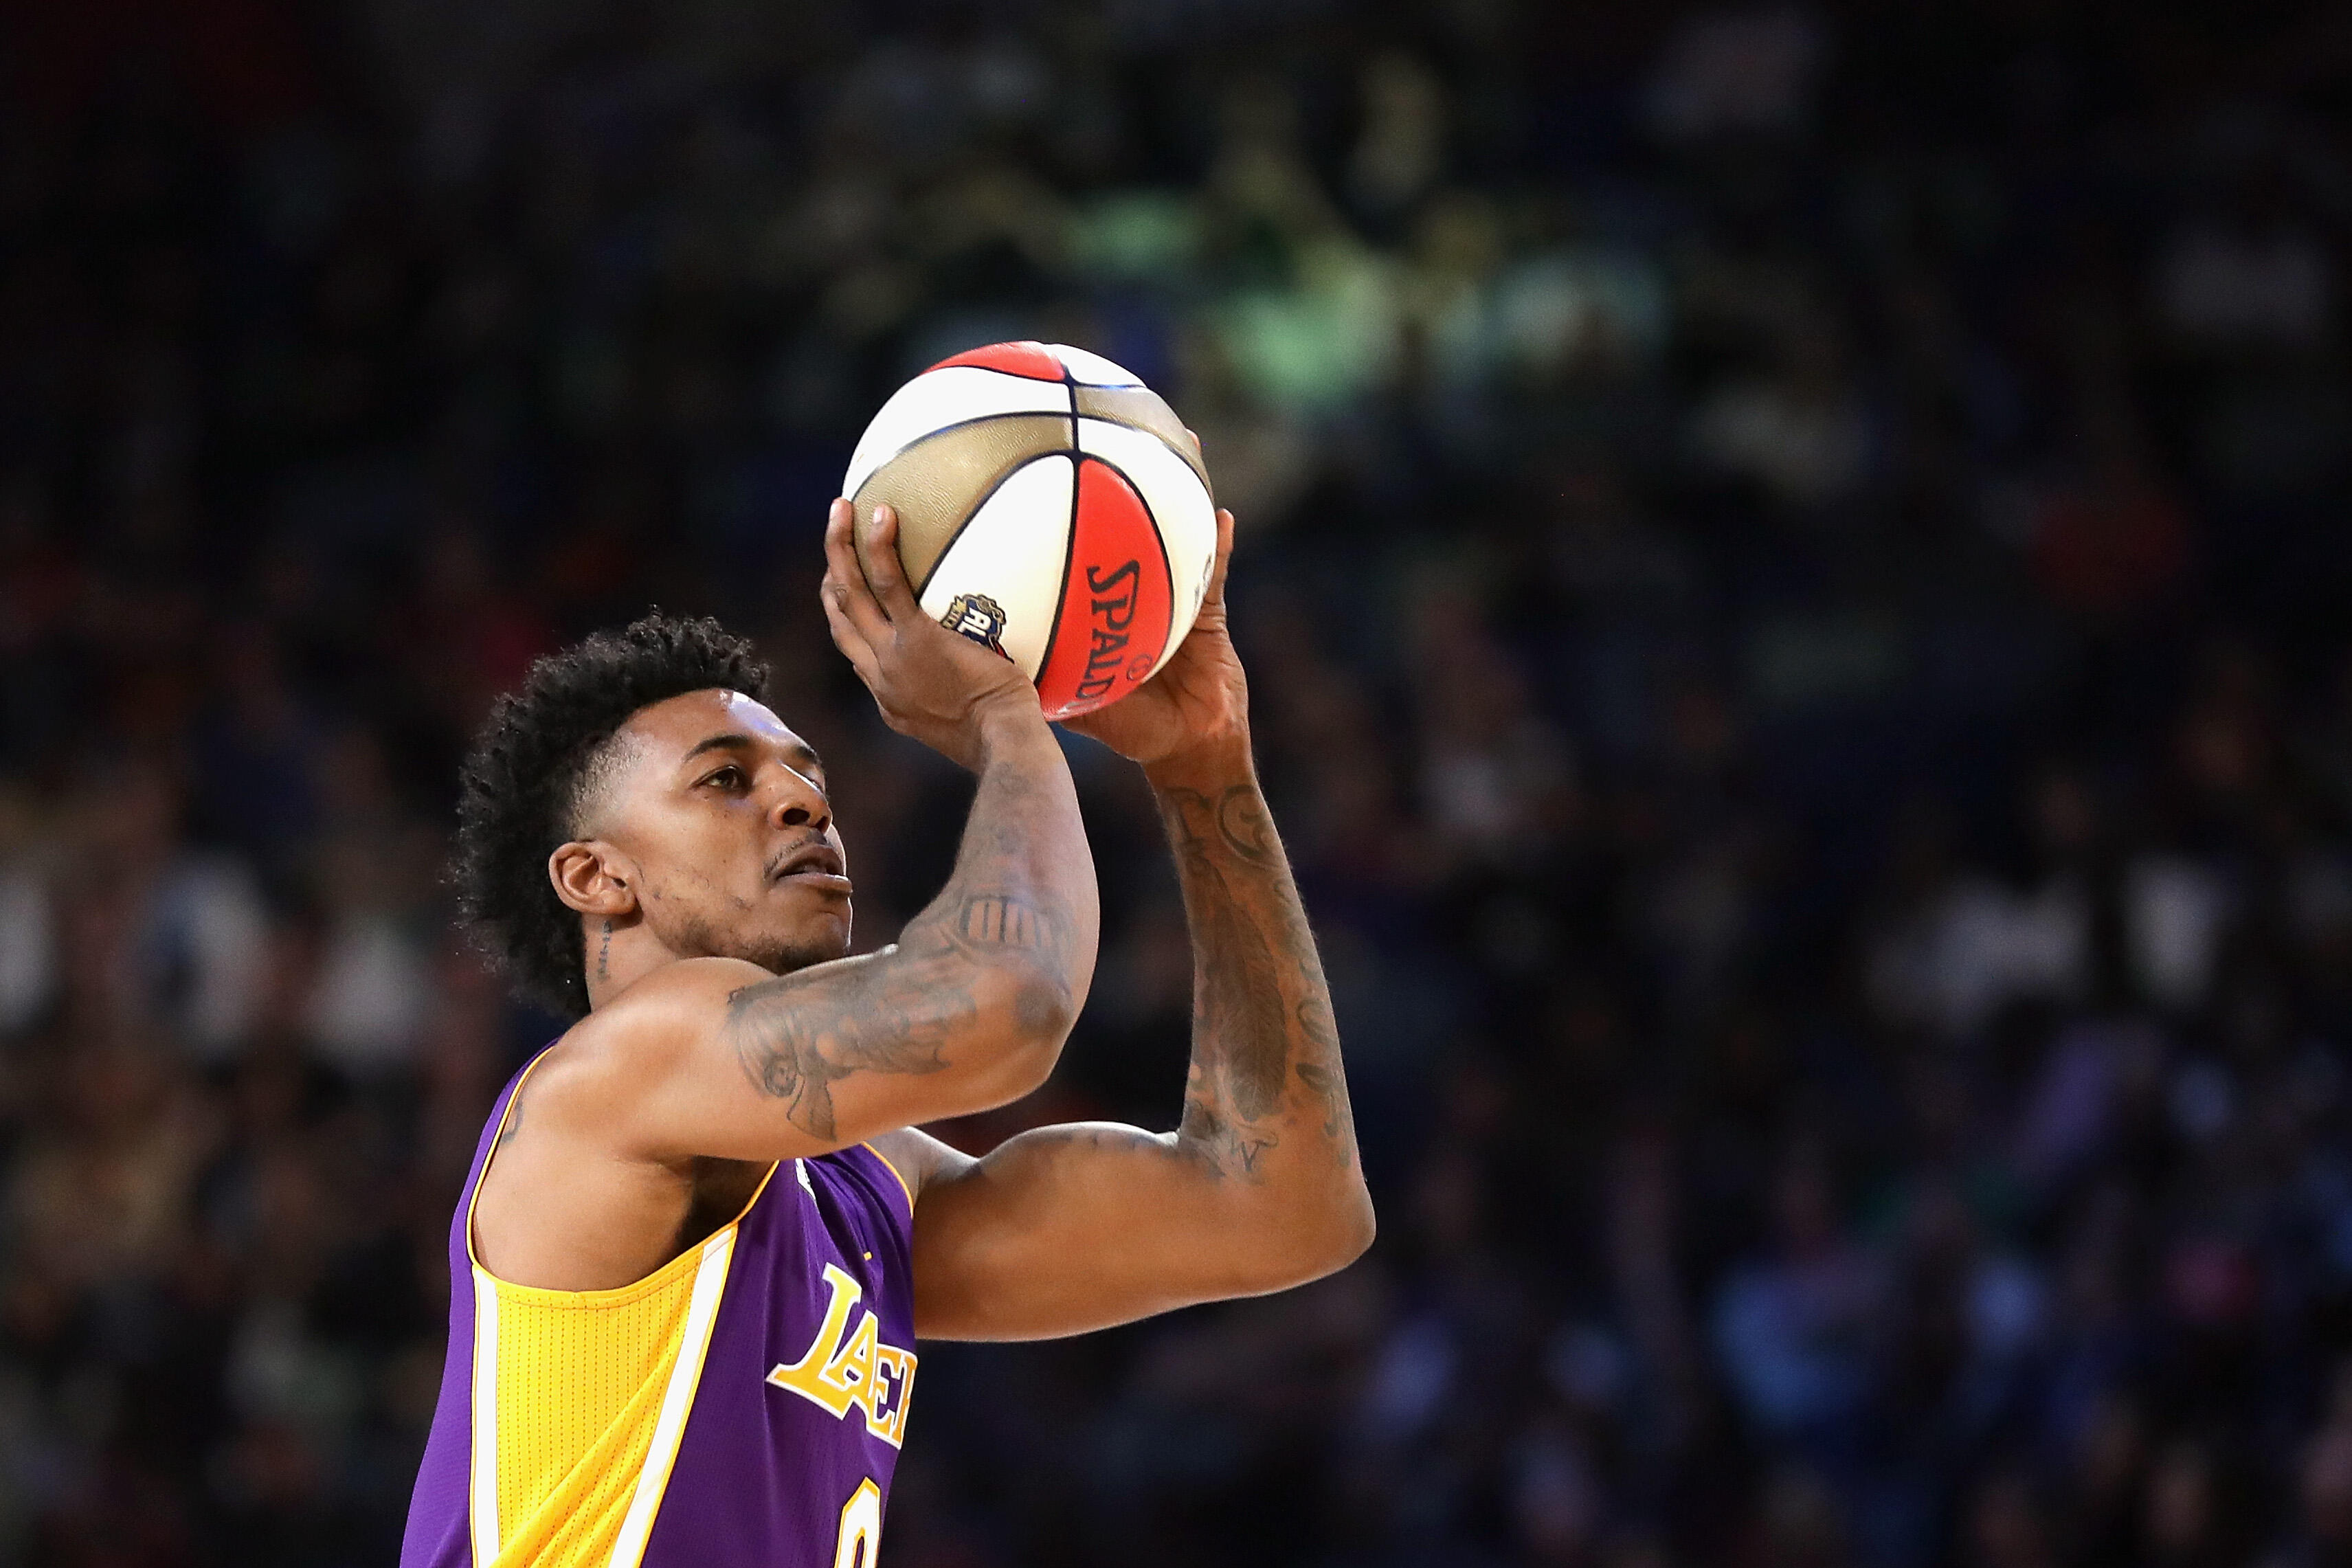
[[1260, 1187], [718, 1057]]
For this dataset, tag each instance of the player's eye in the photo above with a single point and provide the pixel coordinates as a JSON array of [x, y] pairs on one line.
[[729, 778]]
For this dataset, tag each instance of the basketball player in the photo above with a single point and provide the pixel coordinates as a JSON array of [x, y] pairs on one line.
[[702, 1236]]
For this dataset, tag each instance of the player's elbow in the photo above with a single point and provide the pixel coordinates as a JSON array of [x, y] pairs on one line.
[[1361, 1229], [1299, 1248], [1041, 1011], [1346, 1233], [1028, 1015]]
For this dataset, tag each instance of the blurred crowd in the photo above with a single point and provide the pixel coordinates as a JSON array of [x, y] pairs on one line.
[[1792, 570]]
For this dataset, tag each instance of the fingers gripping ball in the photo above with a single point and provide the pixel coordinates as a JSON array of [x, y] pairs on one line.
[[1051, 506]]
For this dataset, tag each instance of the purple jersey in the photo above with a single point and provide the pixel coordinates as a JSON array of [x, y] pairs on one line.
[[766, 1438]]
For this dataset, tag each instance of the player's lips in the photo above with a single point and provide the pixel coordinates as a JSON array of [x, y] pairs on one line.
[[812, 866]]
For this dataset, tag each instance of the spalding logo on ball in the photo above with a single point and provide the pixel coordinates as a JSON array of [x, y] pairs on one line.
[[1050, 507]]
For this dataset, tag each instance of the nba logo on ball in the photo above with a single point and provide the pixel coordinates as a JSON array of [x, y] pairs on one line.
[[979, 617], [1051, 506]]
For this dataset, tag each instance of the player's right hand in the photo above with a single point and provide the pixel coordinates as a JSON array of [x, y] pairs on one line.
[[1197, 706], [929, 683]]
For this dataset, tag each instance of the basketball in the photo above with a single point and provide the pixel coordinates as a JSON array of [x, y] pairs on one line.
[[1050, 506]]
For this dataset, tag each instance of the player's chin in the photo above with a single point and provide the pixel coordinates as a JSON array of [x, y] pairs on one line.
[[816, 934]]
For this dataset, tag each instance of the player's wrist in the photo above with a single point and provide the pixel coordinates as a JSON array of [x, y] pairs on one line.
[[1007, 721], [1216, 762]]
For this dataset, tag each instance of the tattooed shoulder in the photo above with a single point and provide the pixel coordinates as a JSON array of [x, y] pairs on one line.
[[513, 1123]]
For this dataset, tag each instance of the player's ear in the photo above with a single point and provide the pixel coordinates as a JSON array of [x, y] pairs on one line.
[[593, 878]]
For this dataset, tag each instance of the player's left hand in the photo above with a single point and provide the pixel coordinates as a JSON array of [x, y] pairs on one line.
[[1198, 702]]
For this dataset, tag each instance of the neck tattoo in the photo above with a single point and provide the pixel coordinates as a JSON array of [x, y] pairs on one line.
[[605, 953]]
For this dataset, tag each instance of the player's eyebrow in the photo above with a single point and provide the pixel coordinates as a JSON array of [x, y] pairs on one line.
[[730, 742], [802, 753]]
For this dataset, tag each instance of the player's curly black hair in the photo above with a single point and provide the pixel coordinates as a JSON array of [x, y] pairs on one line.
[[520, 790]]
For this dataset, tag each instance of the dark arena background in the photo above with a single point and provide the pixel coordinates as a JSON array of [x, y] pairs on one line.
[[1794, 567]]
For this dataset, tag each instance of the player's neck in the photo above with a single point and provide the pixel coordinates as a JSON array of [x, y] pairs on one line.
[[620, 952]]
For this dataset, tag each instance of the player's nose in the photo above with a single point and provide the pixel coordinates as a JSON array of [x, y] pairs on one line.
[[799, 803]]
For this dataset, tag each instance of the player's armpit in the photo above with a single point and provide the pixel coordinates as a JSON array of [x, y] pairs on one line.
[[1070, 1228]]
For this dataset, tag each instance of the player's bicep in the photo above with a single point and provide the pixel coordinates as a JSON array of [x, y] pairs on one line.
[[1071, 1228]]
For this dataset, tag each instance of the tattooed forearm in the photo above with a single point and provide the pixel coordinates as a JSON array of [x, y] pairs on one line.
[[1330, 1089], [1228, 1148], [794, 1046], [798, 1035], [997, 920], [1262, 1010], [1246, 828]]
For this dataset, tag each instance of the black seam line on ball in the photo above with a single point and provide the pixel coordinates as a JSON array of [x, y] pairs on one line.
[[1199, 470], [1042, 380], [985, 497], [1070, 542], [1069, 552], [1166, 572]]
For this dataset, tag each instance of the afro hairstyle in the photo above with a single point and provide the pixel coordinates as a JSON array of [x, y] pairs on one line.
[[522, 785]]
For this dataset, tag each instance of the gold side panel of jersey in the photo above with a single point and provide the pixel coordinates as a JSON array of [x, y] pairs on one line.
[[580, 1377]]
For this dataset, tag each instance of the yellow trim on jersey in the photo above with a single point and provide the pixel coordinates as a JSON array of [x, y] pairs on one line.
[[580, 1398], [618, 1294], [890, 1167], [506, 1112]]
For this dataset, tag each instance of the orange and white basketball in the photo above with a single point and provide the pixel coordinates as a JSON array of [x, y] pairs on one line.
[[1051, 506]]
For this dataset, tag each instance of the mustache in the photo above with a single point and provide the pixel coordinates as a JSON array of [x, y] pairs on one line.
[[811, 855]]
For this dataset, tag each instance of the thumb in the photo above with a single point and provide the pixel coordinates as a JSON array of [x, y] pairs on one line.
[[1223, 559]]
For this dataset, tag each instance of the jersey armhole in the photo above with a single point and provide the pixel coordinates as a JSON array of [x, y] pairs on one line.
[[506, 1112], [891, 1165]]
